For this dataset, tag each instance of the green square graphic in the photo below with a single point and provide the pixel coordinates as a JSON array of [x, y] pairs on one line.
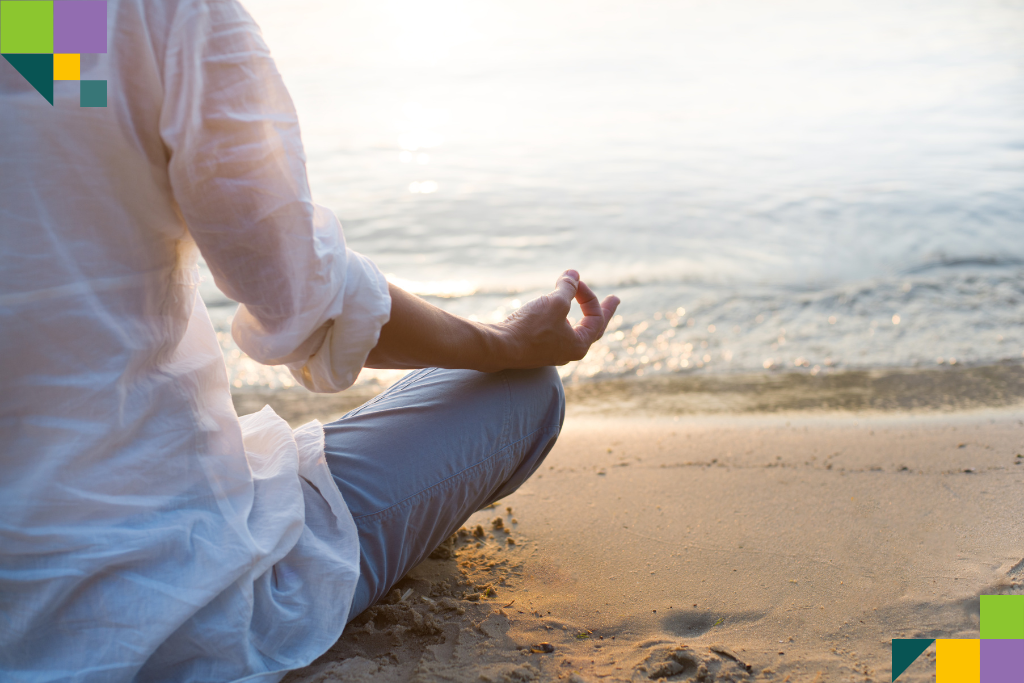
[[26, 27], [94, 94], [1002, 616]]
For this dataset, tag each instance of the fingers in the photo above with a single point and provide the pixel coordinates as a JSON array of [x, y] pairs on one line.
[[595, 314], [608, 307], [565, 287], [587, 300]]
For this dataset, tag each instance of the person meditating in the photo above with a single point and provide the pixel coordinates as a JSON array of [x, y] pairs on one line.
[[147, 533]]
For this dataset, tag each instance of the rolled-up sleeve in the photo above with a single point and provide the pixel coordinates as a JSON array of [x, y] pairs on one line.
[[237, 170]]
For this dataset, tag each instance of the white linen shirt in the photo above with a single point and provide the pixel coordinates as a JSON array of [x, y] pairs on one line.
[[146, 532]]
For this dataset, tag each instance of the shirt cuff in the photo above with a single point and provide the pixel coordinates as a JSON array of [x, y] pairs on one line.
[[351, 336]]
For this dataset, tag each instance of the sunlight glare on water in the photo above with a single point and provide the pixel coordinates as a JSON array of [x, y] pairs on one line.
[[796, 175]]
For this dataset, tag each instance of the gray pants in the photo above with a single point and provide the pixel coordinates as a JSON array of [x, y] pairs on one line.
[[415, 462]]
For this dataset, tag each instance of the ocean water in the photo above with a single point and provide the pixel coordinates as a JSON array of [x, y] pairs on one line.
[[766, 184]]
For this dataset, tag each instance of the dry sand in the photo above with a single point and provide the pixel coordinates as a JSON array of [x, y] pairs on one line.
[[782, 547]]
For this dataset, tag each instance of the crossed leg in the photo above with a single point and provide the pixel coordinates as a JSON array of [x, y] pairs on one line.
[[415, 462]]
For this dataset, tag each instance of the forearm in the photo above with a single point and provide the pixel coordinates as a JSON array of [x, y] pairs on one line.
[[419, 335], [537, 334]]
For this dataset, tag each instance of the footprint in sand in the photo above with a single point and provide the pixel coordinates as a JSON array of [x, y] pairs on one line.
[[678, 664], [682, 663]]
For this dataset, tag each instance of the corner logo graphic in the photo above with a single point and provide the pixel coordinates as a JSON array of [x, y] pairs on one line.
[[997, 657], [45, 40]]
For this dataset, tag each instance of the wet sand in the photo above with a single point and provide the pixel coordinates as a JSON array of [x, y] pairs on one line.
[[782, 547], [942, 389]]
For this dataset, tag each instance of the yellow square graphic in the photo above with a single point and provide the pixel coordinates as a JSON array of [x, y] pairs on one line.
[[957, 661], [67, 67]]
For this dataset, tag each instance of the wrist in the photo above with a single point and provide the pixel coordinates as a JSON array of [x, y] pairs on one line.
[[497, 348]]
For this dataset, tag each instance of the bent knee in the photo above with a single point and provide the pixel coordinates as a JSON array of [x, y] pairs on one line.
[[537, 396], [537, 413]]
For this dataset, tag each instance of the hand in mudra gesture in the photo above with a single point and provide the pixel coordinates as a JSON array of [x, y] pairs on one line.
[[420, 335], [539, 332]]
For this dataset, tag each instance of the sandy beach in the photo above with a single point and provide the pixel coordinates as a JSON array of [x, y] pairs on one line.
[[777, 546], [772, 251], [798, 437]]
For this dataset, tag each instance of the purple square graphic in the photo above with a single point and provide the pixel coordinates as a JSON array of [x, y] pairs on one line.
[[79, 26], [1002, 661]]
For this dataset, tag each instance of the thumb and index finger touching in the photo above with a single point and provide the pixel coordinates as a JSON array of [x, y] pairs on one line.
[[566, 287], [595, 314]]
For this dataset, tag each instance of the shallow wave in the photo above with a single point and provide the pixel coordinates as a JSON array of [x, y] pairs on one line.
[[949, 317], [956, 316], [976, 261]]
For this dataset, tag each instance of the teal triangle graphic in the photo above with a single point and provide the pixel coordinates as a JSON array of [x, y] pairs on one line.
[[905, 651], [37, 70]]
